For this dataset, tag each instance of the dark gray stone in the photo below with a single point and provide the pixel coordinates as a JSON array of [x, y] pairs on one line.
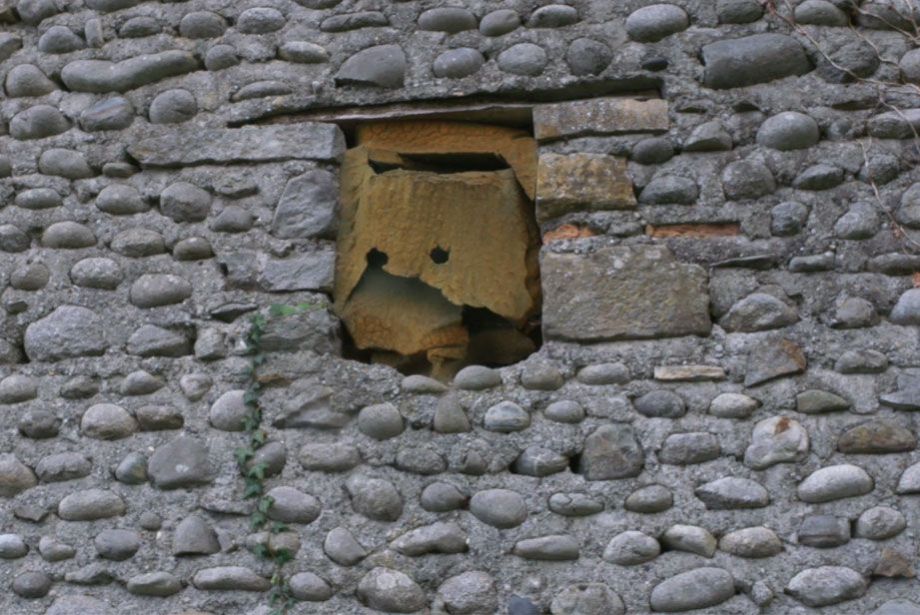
[[381, 66], [824, 531], [587, 56], [654, 22], [661, 403], [758, 58], [182, 462], [101, 76], [457, 63], [525, 59]]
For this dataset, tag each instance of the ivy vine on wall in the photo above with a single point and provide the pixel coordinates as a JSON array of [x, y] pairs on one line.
[[254, 474]]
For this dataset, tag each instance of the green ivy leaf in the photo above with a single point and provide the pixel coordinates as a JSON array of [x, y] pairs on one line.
[[264, 504], [283, 556], [243, 455], [257, 471]]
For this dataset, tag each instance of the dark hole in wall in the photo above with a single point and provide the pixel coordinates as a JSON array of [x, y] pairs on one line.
[[437, 264]]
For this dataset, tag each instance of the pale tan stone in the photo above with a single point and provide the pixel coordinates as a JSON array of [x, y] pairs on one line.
[[433, 137], [690, 373], [567, 182], [600, 116]]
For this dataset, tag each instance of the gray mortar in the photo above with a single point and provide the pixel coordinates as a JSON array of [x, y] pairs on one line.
[[288, 60]]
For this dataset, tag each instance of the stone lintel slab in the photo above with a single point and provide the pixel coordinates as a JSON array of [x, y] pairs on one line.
[[182, 147]]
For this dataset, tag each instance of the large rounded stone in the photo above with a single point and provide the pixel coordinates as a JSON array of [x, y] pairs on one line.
[[777, 439], [290, 505], [380, 421], [107, 422], [310, 587], [611, 451], [229, 411], [390, 591], [194, 536], [120, 200], [457, 63], [880, 523], [751, 542], [202, 24], [183, 462], [695, 589], [159, 289], [826, 585], [834, 483], [96, 272], [501, 508], [447, 19], [526, 59], [89, 505], [652, 23], [739, 11], [185, 202], [117, 545], [159, 584], [498, 22], [68, 332], [907, 310], [303, 52], [382, 66], [469, 593], [260, 20], [733, 63], [109, 114], [32, 584], [631, 548], [28, 80], [587, 56], [38, 122], [374, 498], [173, 107], [789, 131], [661, 404], [15, 476], [68, 235]]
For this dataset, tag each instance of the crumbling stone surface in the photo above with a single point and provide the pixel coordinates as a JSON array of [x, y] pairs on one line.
[[701, 401]]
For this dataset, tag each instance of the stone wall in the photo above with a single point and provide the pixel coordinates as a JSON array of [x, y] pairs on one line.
[[721, 414]]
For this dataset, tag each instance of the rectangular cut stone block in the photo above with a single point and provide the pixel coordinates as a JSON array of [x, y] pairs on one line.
[[307, 271], [622, 292], [575, 182], [696, 231], [688, 373], [179, 147], [600, 116]]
